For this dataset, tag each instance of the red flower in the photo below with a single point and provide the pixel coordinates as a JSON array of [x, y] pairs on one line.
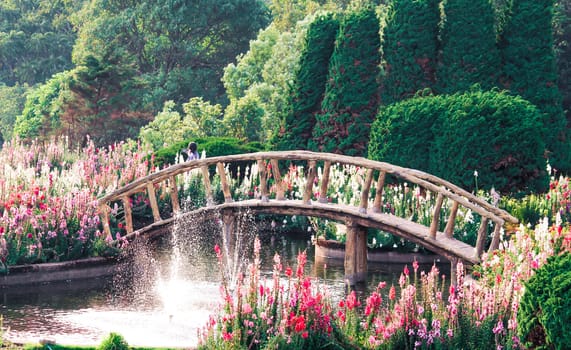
[[392, 293], [288, 271]]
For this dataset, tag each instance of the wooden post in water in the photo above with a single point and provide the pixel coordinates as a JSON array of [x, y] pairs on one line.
[[355, 254]]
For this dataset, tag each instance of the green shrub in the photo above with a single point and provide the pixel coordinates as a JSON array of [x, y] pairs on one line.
[[468, 44], [410, 42], [530, 71], [309, 83], [402, 133], [114, 342], [544, 316], [453, 136], [352, 92], [212, 146]]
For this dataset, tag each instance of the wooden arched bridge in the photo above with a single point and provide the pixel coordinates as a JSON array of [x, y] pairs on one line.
[[271, 199]]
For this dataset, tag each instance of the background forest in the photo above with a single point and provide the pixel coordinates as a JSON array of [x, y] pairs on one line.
[[291, 75]]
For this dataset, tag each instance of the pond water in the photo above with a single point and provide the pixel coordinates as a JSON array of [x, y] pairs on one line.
[[165, 290]]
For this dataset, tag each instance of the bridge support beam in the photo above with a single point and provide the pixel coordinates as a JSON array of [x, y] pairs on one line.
[[355, 254]]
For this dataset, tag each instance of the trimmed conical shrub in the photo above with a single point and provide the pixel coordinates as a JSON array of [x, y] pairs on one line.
[[309, 84], [530, 71], [352, 91], [409, 46], [469, 50]]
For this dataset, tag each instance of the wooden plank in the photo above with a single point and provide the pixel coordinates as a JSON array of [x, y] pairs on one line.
[[153, 201], [325, 182], [263, 173], [365, 192], [436, 216], [449, 230], [224, 182], [311, 173], [280, 187], [128, 214], [174, 195], [379, 192]]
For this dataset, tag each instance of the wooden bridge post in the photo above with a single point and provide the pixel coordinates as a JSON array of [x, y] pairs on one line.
[[355, 253], [325, 182], [228, 230]]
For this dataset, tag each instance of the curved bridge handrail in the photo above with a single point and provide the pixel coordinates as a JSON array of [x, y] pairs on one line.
[[412, 175], [441, 187]]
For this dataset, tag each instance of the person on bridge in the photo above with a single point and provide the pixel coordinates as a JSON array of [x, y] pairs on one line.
[[192, 151]]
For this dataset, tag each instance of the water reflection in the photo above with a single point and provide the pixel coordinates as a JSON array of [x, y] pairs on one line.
[[147, 303]]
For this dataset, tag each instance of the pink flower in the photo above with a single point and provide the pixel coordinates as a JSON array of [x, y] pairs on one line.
[[392, 293]]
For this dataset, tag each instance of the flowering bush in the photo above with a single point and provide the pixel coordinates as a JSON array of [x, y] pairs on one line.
[[48, 198], [476, 311], [285, 312]]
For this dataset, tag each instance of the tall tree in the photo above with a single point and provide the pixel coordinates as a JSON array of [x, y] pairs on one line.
[[530, 71], [469, 51], [100, 101], [36, 39], [309, 84], [179, 47], [352, 92], [409, 48]]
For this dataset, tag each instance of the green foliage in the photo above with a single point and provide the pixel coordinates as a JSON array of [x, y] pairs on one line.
[[309, 83], [36, 39], [402, 133], [264, 75], [530, 71], [178, 47], [248, 70], [409, 46], [544, 315], [42, 109], [13, 99], [468, 42], [352, 92], [243, 119], [100, 100], [211, 146], [201, 119], [562, 44], [453, 136], [114, 342]]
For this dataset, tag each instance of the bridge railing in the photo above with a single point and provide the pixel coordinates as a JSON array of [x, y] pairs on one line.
[[269, 163]]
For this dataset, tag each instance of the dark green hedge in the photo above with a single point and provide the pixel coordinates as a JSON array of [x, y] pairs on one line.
[[213, 146], [530, 71], [452, 136], [309, 84], [544, 315], [352, 92], [409, 47], [469, 54]]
